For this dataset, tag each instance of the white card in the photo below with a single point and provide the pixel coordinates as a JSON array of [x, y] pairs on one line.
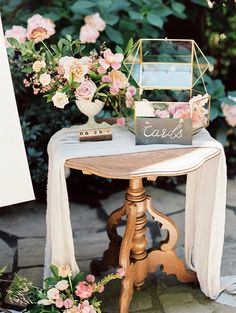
[[15, 180]]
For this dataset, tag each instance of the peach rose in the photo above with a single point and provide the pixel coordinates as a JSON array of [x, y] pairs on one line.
[[64, 270], [39, 28], [95, 21], [88, 34], [118, 79], [74, 67]]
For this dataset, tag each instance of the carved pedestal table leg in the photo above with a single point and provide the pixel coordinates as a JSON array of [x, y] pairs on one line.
[[111, 255], [166, 255]]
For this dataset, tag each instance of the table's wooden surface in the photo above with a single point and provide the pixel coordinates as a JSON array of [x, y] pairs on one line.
[[143, 164]]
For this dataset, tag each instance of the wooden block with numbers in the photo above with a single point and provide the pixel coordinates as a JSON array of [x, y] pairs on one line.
[[97, 134]]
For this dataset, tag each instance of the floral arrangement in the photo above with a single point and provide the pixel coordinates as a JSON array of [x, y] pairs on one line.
[[67, 72], [194, 109], [63, 292]]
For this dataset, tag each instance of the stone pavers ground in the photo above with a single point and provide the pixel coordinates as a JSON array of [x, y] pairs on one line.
[[22, 240]]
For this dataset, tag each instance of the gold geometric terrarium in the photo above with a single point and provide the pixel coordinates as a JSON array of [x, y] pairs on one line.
[[169, 71]]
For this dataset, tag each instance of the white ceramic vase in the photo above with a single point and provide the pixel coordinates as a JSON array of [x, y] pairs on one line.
[[90, 109]]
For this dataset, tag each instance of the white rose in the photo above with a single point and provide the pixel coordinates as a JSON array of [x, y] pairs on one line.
[[53, 294], [44, 302], [62, 285], [45, 79], [60, 99]]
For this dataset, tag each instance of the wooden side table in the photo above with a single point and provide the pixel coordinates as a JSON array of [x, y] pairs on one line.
[[130, 251]]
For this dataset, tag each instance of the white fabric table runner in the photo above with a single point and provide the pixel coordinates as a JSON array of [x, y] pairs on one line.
[[205, 203]]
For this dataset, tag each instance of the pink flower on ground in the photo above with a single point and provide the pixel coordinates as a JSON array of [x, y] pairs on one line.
[[95, 21], [68, 303], [39, 28], [84, 290], [86, 90], [88, 34], [64, 271], [101, 288], [17, 32], [53, 294], [59, 303], [162, 113], [121, 272], [85, 307], [229, 112], [74, 309], [90, 278], [111, 59]]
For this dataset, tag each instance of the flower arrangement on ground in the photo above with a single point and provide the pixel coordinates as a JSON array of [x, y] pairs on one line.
[[63, 292], [67, 71]]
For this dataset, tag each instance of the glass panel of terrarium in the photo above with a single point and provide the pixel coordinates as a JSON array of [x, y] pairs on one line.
[[200, 64]]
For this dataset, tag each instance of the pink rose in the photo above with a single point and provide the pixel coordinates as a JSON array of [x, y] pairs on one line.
[[84, 290], [17, 32], [95, 21], [85, 307], [86, 90], [229, 112], [90, 278], [59, 303], [68, 303], [88, 34]]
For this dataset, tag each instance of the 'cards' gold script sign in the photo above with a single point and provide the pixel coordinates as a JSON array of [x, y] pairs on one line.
[[152, 130]]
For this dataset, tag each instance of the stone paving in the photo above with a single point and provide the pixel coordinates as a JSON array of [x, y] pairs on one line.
[[22, 240]]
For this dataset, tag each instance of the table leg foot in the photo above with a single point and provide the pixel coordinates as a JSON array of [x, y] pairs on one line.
[[170, 264]]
